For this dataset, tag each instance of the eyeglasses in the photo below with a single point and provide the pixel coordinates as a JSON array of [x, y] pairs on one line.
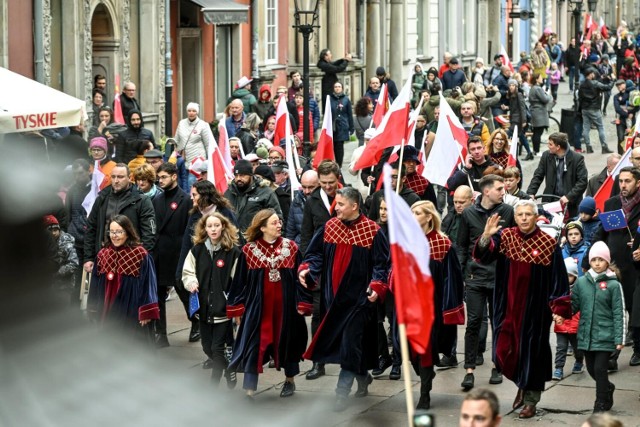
[[635, 158], [394, 176], [116, 233], [164, 176]]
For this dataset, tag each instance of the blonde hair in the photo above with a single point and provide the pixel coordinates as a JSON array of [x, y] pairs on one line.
[[489, 146], [228, 237], [427, 207]]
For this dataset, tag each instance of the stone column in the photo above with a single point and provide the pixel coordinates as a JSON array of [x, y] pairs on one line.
[[4, 34], [73, 80], [374, 30], [336, 28], [396, 42], [483, 31], [515, 46]]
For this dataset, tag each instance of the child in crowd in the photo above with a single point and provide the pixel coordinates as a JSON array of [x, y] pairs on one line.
[[567, 333], [598, 297], [588, 216], [575, 246], [512, 183], [554, 75]]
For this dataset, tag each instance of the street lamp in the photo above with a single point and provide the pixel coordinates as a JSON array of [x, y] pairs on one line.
[[592, 4], [306, 15]]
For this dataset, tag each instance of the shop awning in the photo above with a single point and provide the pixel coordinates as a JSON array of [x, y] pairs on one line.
[[26, 105], [223, 12]]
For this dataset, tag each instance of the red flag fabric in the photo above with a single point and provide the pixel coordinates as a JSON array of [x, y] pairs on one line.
[[410, 255], [324, 149], [604, 192], [283, 126], [118, 117], [513, 149], [382, 106], [602, 27], [505, 58], [392, 131], [216, 171], [223, 145]]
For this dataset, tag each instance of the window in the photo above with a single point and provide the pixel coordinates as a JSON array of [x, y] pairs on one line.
[[421, 17], [271, 44]]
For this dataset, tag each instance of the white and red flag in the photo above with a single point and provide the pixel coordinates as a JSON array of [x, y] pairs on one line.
[[604, 192], [324, 149], [449, 146], [217, 172], [505, 58], [412, 282], [602, 27], [283, 123], [291, 153], [97, 179], [223, 144], [392, 131], [382, 106], [513, 149]]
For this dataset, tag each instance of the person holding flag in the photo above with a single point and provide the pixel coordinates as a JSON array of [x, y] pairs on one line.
[[348, 258], [530, 284]]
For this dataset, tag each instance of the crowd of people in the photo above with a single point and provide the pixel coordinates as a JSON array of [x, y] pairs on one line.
[[249, 263]]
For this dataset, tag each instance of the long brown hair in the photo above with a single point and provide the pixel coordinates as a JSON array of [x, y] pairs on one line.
[[228, 238], [132, 235], [507, 143], [253, 233], [209, 195]]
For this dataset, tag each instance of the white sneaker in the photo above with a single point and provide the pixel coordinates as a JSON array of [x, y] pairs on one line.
[[170, 293]]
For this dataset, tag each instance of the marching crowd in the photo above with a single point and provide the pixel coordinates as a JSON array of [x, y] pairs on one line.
[[250, 261]]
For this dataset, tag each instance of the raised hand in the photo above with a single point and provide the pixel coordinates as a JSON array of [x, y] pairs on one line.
[[492, 227]]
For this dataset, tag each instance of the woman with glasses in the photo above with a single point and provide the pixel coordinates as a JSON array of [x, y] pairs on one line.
[[498, 148], [123, 293], [98, 147]]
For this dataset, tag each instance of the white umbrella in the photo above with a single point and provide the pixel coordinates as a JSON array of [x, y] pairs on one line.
[[26, 105]]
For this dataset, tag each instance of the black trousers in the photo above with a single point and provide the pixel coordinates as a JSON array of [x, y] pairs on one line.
[[536, 138], [387, 310], [477, 298], [621, 130], [338, 150], [161, 323], [597, 363], [214, 337]]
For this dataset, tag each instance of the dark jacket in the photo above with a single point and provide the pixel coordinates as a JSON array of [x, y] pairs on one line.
[[247, 139], [77, 214], [590, 94], [127, 141], [249, 202], [342, 117], [575, 178], [595, 182], [408, 195], [452, 79], [330, 69], [315, 215], [461, 176], [517, 110], [572, 56], [620, 104], [392, 89], [474, 219], [130, 203], [127, 104], [172, 215], [451, 225], [296, 213]]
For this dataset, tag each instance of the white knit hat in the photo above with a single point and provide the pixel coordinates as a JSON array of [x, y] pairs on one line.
[[193, 106]]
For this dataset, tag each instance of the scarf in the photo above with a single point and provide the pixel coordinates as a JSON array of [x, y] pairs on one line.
[[629, 203]]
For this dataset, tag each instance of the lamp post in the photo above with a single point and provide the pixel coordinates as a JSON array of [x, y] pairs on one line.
[[306, 15], [577, 11]]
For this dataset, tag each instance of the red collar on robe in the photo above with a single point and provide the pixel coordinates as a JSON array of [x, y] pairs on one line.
[[269, 250], [439, 245], [536, 247], [360, 232], [125, 260]]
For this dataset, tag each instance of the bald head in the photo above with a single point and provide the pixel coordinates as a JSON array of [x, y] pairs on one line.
[[235, 108], [462, 198], [635, 157], [309, 182]]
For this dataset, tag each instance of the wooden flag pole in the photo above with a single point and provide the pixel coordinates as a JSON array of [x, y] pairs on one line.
[[406, 372], [400, 159], [83, 283]]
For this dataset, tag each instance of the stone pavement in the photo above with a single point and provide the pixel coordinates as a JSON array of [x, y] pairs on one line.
[[566, 402]]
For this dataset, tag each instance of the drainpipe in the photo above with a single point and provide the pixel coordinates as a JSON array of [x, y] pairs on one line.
[[255, 87], [38, 40], [168, 80]]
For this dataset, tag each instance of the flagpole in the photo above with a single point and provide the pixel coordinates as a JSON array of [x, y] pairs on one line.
[[406, 370], [629, 230], [400, 167]]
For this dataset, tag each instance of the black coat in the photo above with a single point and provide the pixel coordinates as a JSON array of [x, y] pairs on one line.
[[331, 70], [315, 215], [596, 182], [127, 104], [131, 203], [461, 176], [127, 141], [342, 115], [575, 178], [172, 215]]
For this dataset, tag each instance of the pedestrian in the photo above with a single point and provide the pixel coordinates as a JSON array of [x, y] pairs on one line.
[[265, 292], [363, 114], [518, 115], [447, 297], [530, 282], [348, 258], [567, 333], [576, 246], [208, 271], [554, 80], [123, 292], [342, 116], [539, 103], [331, 70], [598, 297], [590, 96], [65, 259]]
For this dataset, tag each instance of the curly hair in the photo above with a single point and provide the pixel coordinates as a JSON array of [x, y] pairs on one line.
[[145, 172], [228, 238], [362, 106], [209, 195]]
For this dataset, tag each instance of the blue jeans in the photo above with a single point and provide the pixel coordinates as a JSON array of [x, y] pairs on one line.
[[345, 381], [595, 117], [572, 77]]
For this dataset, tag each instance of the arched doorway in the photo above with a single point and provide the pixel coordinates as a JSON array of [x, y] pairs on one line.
[[105, 47]]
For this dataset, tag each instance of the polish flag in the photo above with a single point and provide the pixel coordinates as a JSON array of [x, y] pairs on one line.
[[604, 192], [223, 144], [413, 118], [589, 26], [118, 117], [449, 146], [513, 150], [392, 131], [410, 255], [97, 179], [283, 126], [324, 149], [291, 153], [217, 173], [505, 58], [602, 27], [382, 106]]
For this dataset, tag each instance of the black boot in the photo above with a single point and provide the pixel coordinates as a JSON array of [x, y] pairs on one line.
[[194, 335], [316, 371], [426, 383]]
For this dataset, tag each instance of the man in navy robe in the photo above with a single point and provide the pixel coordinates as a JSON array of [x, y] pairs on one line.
[[348, 258]]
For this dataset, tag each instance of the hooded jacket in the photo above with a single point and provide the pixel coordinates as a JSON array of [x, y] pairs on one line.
[[127, 141], [262, 107], [248, 203]]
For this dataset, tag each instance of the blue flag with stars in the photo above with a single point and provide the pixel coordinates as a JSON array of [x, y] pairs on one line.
[[613, 220], [194, 304]]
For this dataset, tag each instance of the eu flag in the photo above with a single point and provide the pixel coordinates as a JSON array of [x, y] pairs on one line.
[[194, 304], [614, 220]]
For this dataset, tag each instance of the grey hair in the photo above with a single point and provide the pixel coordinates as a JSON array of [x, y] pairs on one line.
[[252, 121], [350, 194], [524, 202]]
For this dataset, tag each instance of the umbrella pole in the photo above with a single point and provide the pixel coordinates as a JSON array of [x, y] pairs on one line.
[[406, 371]]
